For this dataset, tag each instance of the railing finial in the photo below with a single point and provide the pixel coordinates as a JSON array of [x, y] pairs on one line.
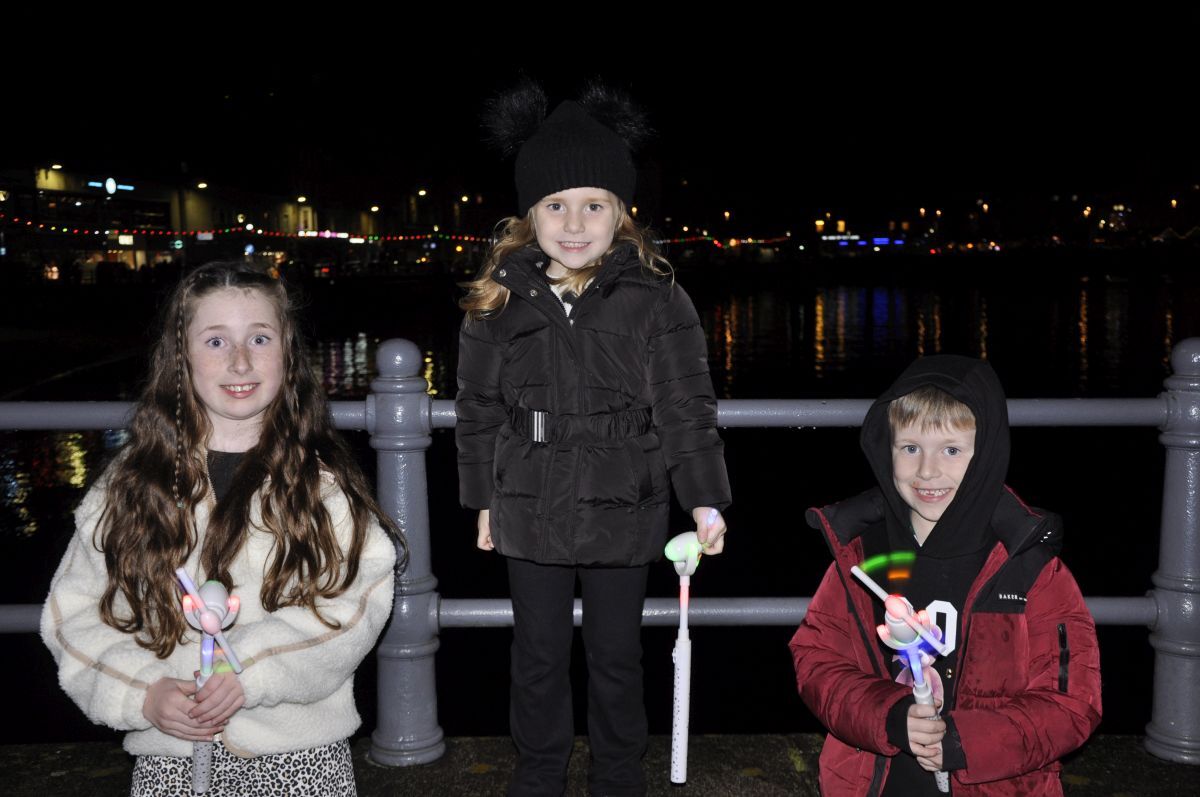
[[398, 358]]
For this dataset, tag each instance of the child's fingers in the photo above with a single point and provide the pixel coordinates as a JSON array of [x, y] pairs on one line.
[[710, 529], [218, 709], [922, 750], [483, 527], [715, 543], [923, 730], [922, 738], [167, 704], [191, 733], [934, 725], [920, 710], [221, 696], [933, 764]]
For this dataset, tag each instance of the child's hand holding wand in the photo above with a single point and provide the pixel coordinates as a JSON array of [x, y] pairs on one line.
[[710, 529], [925, 732], [168, 707], [219, 699]]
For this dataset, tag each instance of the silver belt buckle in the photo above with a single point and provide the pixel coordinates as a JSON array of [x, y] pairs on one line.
[[537, 426]]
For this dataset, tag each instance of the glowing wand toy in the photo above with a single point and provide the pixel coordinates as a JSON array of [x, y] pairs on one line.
[[684, 551], [905, 631], [209, 610]]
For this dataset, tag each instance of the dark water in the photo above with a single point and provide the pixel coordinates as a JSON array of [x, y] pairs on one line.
[[1101, 326]]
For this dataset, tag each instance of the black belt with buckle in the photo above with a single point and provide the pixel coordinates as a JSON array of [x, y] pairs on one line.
[[546, 427]]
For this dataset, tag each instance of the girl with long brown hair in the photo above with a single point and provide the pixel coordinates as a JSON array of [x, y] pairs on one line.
[[233, 471]]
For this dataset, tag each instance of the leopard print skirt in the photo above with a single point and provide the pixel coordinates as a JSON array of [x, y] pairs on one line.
[[325, 770]]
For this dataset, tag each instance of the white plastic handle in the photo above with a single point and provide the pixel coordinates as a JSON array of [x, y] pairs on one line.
[[681, 716]]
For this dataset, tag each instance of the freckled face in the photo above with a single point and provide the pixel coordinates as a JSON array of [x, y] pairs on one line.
[[928, 467], [574, 227], [235, 351]]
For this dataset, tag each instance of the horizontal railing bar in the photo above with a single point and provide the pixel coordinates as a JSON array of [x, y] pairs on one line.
[[731, 413], [1142, 610], [56, 415], [349, 415], [1088, 412], [442, 414], [1022, 412], [490, 612], [82, 415], [20, 618], [494, 612]]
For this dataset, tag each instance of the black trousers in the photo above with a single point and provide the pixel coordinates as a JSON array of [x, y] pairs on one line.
[[540, 714]]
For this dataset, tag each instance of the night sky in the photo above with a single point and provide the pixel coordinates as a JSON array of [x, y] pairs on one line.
[[774, 119]]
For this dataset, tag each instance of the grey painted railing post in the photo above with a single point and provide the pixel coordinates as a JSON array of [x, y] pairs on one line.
[[398, 417], [1174, 729]]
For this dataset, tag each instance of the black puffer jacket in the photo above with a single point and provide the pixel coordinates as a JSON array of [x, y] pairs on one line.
[[625, 384]]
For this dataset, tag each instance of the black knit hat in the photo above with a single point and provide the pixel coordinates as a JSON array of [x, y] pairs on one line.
[[582, 144], [572, 150]]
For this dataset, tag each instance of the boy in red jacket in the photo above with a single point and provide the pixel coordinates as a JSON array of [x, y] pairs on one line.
[[1022, 687]]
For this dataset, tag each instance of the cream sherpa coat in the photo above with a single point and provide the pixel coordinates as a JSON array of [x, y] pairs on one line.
[[299, 673]]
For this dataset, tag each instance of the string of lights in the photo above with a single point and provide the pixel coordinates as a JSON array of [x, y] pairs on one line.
[[236, 229], [60, 229]]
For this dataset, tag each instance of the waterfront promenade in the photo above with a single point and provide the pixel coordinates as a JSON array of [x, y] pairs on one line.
[[1108, 766]]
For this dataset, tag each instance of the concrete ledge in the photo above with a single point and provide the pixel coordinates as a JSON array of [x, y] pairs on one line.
[[718, 765]]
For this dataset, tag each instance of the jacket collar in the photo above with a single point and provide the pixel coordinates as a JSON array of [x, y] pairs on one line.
[[529, 264], [1016, 524]]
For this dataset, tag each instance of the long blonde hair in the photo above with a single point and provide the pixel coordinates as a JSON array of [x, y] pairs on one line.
[[486, 298]]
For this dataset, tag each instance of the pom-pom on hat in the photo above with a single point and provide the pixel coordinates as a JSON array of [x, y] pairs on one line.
[[580, 144]]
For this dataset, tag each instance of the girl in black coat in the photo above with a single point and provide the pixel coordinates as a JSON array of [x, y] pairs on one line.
[[583, 392]]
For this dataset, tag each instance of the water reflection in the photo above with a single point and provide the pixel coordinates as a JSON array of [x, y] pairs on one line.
[[881, 307], [937, 324], [825, 340], [346, 366], [840, 327], [819, 335], [432, 372], [732, 334], [1082, 339], [1083, 334], [983, 328], [929, 327], [43, 475], [1168, 336], [15, 491], [70, 457], [1116, 338]]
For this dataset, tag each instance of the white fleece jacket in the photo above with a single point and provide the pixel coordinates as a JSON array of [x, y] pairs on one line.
[[299, 673]]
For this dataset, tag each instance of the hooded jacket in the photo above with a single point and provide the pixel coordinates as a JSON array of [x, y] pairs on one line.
[[629, 409], [1022, 687]]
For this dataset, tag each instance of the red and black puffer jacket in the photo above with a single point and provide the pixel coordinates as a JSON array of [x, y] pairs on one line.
[[1028, 681]]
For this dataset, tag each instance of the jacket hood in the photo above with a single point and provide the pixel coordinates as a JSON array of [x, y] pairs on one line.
[[964, 528]]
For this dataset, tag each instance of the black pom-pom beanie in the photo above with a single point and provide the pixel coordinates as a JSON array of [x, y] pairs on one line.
[[572, 150]]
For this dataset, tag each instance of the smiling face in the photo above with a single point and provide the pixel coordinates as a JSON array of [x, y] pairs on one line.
[[235, 350], [575, 227], [928, 465]]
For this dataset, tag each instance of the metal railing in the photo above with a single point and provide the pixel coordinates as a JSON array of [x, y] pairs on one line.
[[399, 415]]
